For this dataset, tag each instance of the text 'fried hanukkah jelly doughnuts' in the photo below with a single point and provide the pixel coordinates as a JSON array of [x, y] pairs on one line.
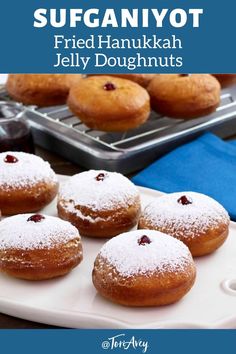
[[196, 219], [37, 247], [99, 203], [144, 268], [109, 103], [184, 96], [226, 79], [40, 89], [27, 183]]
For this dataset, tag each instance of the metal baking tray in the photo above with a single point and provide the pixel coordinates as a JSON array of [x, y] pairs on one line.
[[58, 130]]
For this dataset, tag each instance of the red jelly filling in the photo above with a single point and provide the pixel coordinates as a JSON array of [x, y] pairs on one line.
[[109, 86], [10, 159], [184, 200], [100, 177], [144, 240], [36, 218]]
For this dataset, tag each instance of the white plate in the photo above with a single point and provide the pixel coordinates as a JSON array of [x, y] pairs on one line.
[[72, 301]]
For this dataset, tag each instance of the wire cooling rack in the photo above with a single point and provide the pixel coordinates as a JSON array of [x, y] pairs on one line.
[[57, 129]]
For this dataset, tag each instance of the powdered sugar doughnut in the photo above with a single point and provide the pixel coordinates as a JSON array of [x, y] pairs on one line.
[[144, 268], [36, 247], [99, 203], [27, 183], [196, 219]]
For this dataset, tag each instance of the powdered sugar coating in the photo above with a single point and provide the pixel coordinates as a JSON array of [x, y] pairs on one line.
[[84, 189], [185, 221], [164, 253], [17, 232], [28, 170]]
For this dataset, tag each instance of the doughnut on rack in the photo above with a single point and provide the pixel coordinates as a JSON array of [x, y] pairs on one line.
[[56, 129]]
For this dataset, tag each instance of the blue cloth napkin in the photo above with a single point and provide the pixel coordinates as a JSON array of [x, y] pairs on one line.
[[206, 165]]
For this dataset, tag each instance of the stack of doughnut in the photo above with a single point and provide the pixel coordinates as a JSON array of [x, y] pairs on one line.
[[121, 102]]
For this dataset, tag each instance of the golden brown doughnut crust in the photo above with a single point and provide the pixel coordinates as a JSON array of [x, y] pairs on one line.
[[186, 97], [158, 289], [27, 199], [202, 244], [40, 89], [141, 79], [226, 79], [106, 223], [73, 79], [40, 264], [121, 109]]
